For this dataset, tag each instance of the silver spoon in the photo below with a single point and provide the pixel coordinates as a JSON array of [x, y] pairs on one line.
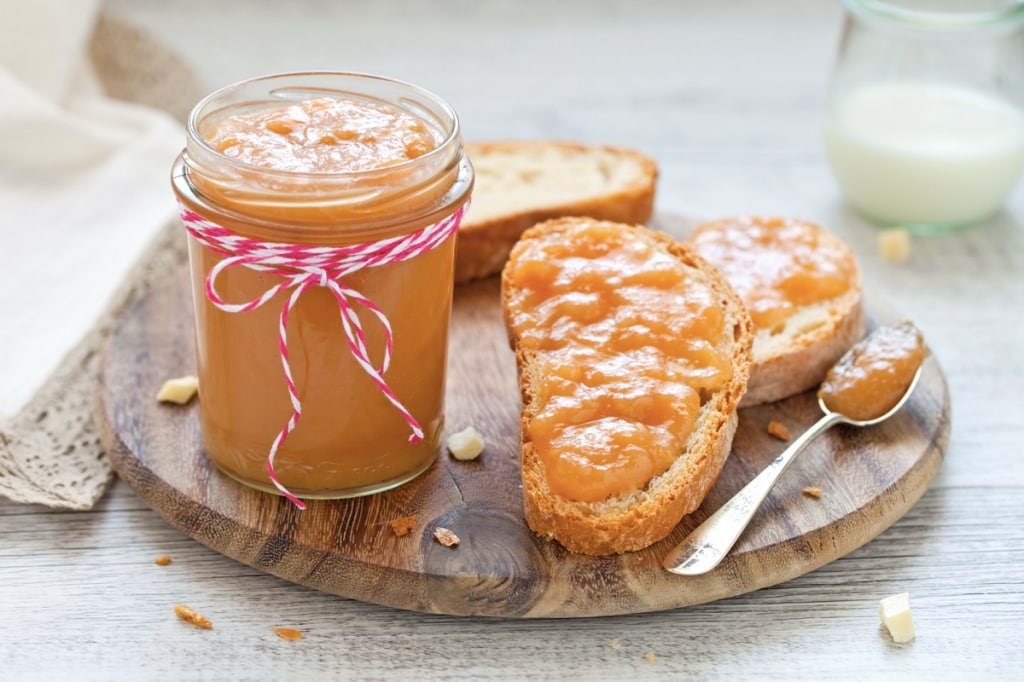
[[708, 544]]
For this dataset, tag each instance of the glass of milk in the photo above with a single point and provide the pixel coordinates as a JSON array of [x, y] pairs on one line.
[[925, 121]]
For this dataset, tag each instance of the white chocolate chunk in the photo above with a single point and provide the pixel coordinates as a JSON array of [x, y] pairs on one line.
[[894, 245], [466, 444], [446, 537], [895, 614], [180, 390]]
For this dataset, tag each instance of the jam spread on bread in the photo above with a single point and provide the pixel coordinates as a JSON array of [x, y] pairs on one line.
[[776, 265], [629, 340]]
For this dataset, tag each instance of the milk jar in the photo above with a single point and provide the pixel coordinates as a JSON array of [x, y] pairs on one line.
[[925, 123]]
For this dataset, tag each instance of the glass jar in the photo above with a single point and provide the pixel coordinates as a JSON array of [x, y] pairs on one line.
[[315, 375], [925, 121]]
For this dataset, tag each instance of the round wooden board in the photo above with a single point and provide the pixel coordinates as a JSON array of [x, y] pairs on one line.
[[869, 478]]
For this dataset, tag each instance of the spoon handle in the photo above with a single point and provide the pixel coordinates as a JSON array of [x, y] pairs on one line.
[[708, 544]]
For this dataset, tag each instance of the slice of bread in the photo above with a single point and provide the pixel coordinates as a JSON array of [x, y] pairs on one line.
[[792, 353], [521, 183], [635, 518]]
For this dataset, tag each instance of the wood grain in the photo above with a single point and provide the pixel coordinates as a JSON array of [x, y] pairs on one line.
[[869, 479], [727, 97]]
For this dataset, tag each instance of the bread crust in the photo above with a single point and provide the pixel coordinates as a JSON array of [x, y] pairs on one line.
[[809, 356], [635, 520], [484, 242], [795, 358]]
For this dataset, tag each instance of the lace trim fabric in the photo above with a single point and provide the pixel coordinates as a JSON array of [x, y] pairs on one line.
[[50, 451]]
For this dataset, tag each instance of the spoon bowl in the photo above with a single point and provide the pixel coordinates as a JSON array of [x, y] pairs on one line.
[[877, 420], [710, 542]]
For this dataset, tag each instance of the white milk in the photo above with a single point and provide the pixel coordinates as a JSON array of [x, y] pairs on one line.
[[924, 154]]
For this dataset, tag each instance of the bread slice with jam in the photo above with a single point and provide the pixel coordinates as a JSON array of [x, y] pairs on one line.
[[802, 287], [633, 355]]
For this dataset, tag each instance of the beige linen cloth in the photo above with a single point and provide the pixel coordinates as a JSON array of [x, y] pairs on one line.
[[86, 224]]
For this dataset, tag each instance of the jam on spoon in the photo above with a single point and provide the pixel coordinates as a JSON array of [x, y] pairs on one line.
[[867, 386], [874, 375]]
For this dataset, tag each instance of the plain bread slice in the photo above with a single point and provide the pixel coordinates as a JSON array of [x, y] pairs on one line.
[[521, 183]]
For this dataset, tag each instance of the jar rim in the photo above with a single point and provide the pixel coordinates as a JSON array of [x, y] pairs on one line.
[[948, 19], [295, 82], [361, 203]]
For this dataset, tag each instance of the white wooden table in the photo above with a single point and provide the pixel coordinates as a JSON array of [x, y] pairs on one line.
[[728, 97]]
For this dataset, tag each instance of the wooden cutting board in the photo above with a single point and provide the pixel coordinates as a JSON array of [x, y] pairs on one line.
[[869, 478]]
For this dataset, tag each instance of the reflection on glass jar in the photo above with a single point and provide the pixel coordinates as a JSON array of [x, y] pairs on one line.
[[925, 122]]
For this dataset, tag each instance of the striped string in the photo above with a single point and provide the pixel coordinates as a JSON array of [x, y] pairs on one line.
[[302, 267]]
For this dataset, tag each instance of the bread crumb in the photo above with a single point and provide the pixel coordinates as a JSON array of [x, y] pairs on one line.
[[446, 537], [778, 429], [895, 614], [650, 658], [466, 444], [291, 634], [403, 526], [614, 644], [162, 560], [894, 245], [812, 492], [180, 390], [192, 616]]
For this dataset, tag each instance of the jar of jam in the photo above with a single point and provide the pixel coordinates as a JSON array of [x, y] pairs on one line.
[[321, 210]]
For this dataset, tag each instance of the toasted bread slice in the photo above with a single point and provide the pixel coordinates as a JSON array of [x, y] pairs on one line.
[[521, 183], [802, 287], [698, 310]]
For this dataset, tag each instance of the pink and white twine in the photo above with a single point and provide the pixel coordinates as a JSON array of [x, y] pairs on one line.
[[302, 267]]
